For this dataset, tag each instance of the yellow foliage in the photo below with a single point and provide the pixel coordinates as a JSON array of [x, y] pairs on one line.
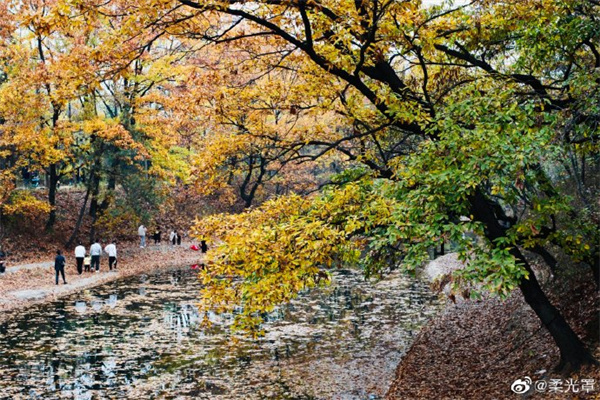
[[22, 203]]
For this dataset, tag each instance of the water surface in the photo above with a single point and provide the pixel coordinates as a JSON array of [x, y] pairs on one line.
[[341, 342]]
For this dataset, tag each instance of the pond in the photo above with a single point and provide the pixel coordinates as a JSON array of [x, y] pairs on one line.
[[139, 337]]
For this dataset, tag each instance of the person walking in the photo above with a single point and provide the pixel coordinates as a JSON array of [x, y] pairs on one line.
[[79, 256], [178, 239], [111, 250], [87, 262], [203, 246], [157, 234], [2, 261], [59, 266], [173, 237], [142, 234], [95, 252]]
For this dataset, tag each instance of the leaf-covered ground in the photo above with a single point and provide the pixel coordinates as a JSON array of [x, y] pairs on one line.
[[132, 261], [477, 349]]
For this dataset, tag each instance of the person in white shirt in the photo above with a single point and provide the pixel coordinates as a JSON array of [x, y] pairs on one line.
[[142, 234], [172, 237], [95, 252], [111, 250], [79, 256]]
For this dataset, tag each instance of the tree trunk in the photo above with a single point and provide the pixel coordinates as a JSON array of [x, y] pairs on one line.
[[94, 209], [95, 184], [95, 191], [546, 256], [92, 237], [573, 353], [110, 189], [80, 217], [248, 195], [2, 231], [595, 265], [52, 186]]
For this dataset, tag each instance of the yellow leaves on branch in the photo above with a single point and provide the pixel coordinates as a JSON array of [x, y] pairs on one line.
[[112, 131], [263, 257]]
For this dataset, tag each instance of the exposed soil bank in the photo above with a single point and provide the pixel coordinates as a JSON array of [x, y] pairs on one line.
[[477, 349]]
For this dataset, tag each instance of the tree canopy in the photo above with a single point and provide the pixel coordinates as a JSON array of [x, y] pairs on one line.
[[441, 121], [480, 118]]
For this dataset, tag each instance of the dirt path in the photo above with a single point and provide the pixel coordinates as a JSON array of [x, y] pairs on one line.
[[21, 267], [26, 284]]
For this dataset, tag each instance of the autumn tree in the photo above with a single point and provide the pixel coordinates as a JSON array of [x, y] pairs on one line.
[[77, 101], [49, 69], [475, 118], [255, 125], [491, 107]]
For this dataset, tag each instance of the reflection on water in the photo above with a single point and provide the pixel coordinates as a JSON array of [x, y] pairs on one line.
[[141, 337]]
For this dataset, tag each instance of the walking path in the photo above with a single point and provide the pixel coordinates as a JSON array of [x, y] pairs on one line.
[[39, 294], [10, 270], [26, 284]]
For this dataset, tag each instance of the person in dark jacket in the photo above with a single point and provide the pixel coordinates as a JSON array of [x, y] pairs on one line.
[[2, 261], [156, 236], [203, 246], [59, 266]]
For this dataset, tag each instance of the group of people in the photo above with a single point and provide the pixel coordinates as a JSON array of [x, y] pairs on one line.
[[88, 261], [174, 236]]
